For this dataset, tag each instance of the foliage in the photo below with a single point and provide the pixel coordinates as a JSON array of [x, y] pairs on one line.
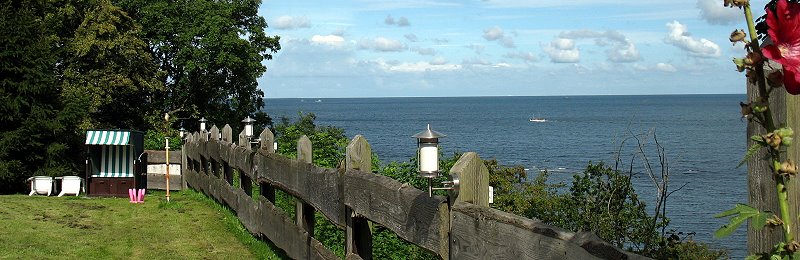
[[154, 140], [329, 142], [211, 52], [37, 134], [673, 246]]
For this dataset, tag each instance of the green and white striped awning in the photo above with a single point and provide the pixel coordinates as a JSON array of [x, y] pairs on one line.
[[107, 137]]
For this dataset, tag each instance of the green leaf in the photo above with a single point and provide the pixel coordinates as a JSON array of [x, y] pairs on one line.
[[750, 152], [740, 214], [757, 138], [754, 257]]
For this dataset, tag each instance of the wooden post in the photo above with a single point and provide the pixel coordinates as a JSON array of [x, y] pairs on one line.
[[265, 144], [474, 180], [761, 182], [227, 134], [166, 148], [305, 212], [358, 236]]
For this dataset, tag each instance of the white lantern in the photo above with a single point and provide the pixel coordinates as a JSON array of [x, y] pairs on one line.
[[248, 126], [203, 124], [428, 145]]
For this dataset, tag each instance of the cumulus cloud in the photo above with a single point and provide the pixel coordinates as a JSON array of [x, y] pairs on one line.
[[497, 34], [402, 21], [715, 13], [679, 37], [562, 50], [424, 51], [522, 55], [382, 45], [330, 40], [666, 67], [619, 47], [290, 23], [411, 37], [494, 33], [440, 40]]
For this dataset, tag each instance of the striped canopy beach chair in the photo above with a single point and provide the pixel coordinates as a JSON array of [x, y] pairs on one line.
[[113, 161]]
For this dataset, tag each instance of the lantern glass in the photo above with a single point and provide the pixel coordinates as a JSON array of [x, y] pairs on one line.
[[203, 124], [248, 126], [429, 158], [182, 131]]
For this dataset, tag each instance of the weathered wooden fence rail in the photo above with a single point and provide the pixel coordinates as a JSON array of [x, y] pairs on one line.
[[352, 196]]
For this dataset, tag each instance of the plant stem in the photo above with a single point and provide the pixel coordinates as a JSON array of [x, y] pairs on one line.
[[769, 125]]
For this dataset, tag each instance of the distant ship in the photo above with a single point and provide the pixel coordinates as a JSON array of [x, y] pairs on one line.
[[318, 100], [538, 119]]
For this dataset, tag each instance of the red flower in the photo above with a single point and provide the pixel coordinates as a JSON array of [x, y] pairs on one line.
[[784, 29]]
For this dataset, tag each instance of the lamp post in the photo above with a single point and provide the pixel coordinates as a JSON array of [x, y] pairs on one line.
[[428, 160], [182, 131]]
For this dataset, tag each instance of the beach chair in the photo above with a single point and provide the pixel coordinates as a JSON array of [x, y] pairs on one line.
[[41, 185]]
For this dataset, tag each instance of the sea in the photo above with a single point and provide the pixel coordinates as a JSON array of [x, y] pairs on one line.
[[702, 136]]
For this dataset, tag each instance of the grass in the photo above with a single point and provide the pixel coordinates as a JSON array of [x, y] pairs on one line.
[[190, 226]]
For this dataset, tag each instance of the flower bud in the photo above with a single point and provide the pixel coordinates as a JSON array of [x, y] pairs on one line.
[[788, 167], [773, 140], [787, 141], [775, 79], [753, 58], [774, 221], [785, 132], [737, 36], [739, 64]]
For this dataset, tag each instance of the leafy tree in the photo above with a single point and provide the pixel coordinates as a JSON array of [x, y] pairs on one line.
[[329, 142], [34, 130], [211, 52]]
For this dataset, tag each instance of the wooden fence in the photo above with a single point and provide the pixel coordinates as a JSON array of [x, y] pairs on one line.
[[460, 228]]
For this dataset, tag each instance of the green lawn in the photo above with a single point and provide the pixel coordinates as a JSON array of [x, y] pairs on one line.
[[191, 226]]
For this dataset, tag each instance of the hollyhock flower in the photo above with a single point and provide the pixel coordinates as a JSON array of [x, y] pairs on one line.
[[784, 29]]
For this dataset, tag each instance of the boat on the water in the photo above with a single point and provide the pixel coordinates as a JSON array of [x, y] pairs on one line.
[[537, 119]]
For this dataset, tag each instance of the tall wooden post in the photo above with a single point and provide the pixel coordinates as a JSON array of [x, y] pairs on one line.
[[761, 181], [473, 180], [305, 212], [358, 236], [267, 138], [227, 137]]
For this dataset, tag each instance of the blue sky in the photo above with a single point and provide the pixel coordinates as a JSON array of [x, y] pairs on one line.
[[409, 48]]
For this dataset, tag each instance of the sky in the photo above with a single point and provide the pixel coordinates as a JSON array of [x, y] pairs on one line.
[[438, 48]]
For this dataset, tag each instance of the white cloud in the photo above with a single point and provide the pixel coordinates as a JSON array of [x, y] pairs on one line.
[[438, 61], [715, 13], [382, 44], [679, 37], [665, 67], [402, 21], [411, 37], [619, 47], [416, 67], [440, 40], [331, 40], [424, 51], [290, 23], [478, 48], [494, 33], [562, 50], [526, 56]]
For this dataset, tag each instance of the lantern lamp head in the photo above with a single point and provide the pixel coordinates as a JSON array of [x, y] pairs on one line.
[[428, 148], [203, 124], [182, 132], [248, 126]]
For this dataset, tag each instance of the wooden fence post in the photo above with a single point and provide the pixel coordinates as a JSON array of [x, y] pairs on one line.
[[761, 182], [227, 136], [358, 236], [473, 180], [267, 138], [305, 212], [245, 182]]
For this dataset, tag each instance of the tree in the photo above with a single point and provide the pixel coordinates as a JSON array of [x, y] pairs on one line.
[[211, 52], [32, 133]]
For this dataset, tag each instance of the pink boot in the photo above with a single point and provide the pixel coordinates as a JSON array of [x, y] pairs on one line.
[[141, 196], [132, 195]]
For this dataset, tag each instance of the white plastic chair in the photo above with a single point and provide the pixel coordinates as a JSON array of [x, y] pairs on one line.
[[71, 185], [41, 185]]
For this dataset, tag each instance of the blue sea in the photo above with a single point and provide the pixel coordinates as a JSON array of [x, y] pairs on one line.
[[702, 136]]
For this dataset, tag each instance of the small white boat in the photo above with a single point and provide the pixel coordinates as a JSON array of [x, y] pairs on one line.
[[537, 119], [318, 100]]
